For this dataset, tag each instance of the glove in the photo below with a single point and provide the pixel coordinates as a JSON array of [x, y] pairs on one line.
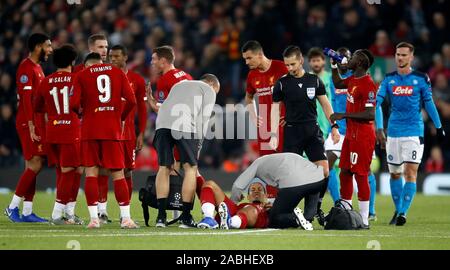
[[440, 134]]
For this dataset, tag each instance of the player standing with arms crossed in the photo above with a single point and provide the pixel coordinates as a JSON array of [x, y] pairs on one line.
[[30, 128], [359, 142], [119, 56], [99, 90], [406, 90]]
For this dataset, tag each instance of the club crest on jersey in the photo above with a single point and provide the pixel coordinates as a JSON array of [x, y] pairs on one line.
[[371, 96], [161, 95], [24, 78], [402, 90], [311, 92]]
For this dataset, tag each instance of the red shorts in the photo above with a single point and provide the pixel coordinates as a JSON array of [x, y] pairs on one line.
[[30, 148], [129, 150], [102, 153], [64, 155], [356, 155]]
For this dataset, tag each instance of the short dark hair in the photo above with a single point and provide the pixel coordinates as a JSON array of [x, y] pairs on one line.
[[36, 39], [292, 51], [64, 56], [367, 56], [252, 45], [93, 38], [405, 45], [165, 52], [316, 52], [121, 48], [210, 78], [92, 56]]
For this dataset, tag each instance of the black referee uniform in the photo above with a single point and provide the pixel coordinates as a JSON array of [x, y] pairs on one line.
[[301, 132]]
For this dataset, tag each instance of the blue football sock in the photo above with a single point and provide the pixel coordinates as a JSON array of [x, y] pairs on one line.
[[373, 193], [333, 185], [396, 192], [409, 190]]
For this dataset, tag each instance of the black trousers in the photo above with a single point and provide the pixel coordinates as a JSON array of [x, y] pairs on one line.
[[282, 216]]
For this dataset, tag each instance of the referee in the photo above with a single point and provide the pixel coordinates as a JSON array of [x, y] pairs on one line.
[[299, 91]]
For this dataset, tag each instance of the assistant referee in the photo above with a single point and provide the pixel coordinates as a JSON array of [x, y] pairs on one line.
[[299, 91]]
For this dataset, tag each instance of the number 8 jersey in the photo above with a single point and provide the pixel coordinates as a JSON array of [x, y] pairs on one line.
[[99, 90], [53, 97]]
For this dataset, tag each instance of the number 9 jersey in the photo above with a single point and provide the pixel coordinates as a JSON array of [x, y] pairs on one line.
[[99, 90]]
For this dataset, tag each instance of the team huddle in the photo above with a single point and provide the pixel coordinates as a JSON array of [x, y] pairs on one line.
[[82, 119]]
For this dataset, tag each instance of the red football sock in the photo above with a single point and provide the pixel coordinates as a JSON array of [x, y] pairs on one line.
[[75, 187], [103, 188], [200, 181], [26, 182], [64, 189], [91, 190], [346, 185], [244, 220], [121, 192], [363, 187], [129, 185], [207, 196]]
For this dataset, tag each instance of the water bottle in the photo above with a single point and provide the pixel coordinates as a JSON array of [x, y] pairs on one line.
[[336, 57]]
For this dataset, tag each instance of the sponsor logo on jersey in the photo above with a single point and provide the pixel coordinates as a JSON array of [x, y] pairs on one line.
[[61, 122], [104, 109], [402, 90], [311, 92], [264, 91], [24, 78], [342, 91]]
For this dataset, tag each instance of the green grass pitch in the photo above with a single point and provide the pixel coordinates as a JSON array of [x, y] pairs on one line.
[[428, 227]]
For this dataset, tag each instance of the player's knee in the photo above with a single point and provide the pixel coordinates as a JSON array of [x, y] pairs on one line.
[[211, 184], [165, 170], [410, 175], [396, 176], [35, 164], [66, 169]]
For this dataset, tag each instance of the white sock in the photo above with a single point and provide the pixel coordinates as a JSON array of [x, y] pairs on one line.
[[236, 222], [102, 208], [93, 211], [70, 208], [208, 209], [346, 205], [125, 211], [15, 201], [27, 208], [58, 210], [364, 211]]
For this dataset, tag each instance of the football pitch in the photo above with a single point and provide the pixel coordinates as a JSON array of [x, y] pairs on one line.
[[428, 227]]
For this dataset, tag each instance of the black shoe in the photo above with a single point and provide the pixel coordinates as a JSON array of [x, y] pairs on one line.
[[401, 220], [188, 222], [320, 217], [394, 219], [104, 218], [161, 222]]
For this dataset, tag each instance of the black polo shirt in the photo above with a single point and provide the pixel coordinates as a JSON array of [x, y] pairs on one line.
[[299, 96]]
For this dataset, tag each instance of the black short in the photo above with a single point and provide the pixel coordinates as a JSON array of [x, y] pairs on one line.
[[306, 137], [164, 141]]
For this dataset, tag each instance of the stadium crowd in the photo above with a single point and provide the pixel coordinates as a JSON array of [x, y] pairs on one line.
[[207, 37]]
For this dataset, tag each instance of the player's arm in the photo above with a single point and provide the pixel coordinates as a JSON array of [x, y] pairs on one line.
[[242, 182], [337, 79], [38, 100], [379, 122], [141, 99], [151, 100], [127, 94], [275, 112], [251, 104], [430, 107], [25, 90]]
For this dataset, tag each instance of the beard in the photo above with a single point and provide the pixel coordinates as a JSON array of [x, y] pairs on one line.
[[42, 57], [317, 70]]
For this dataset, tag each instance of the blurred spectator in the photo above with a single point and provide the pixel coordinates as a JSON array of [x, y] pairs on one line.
[[439, 32], [435, 163], [438, 68], [8, 137], [382, 46], [446, 54]]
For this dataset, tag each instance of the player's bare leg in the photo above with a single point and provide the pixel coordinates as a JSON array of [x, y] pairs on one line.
[[187, 194], [91, 192], [123, 199], [63, 194], [162, 192], [25, 189], [409, 190], [103, 179]]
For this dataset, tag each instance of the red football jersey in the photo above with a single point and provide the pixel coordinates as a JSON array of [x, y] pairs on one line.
[[137, 84], [77, 68], [167, 80], [361, 93], [28, 77], [53, 97], [99, 90]]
